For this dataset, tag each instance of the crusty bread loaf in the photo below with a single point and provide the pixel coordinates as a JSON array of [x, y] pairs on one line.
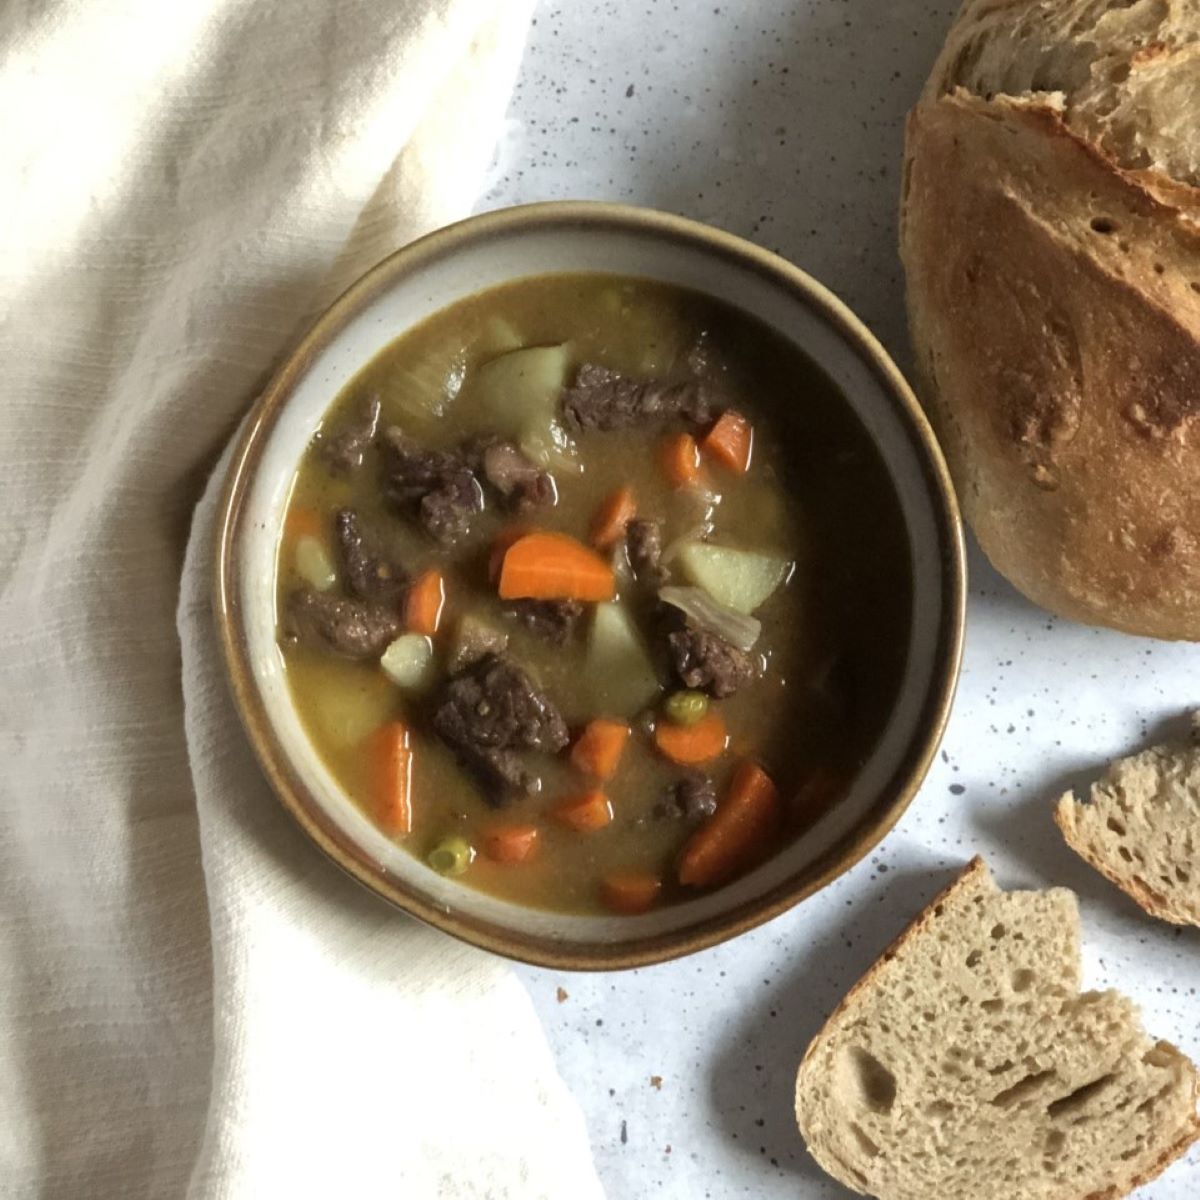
[[1050, 230], [966, 1065], [1140, 827]]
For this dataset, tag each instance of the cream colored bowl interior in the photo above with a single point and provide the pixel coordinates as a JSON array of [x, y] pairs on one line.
[[535, 251]]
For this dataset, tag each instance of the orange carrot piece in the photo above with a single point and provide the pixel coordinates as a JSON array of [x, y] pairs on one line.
[[630, 892], [608, 525], [740, 831], [690, 744], [511, 843], [730, 442], [553, 566], [392, 763], [303, 522], [424, 603], [599, 748], [585, 813], [680, 458], [500, 547]]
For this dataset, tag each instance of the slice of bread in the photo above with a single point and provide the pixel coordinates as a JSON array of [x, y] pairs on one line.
[[967, 1065], [1140, 827]]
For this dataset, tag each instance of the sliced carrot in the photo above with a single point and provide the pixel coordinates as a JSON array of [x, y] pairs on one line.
[[392, 763], [630, 891], [584, 813], [599, 748], [680, 457], [742, 829], [425, 602], [730, 442], [302, 521], [504, 539], [689, 744], [511, 843], [553, 566], [608, 525]]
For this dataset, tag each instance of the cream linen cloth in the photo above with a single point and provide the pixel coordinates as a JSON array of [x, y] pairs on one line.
[[192, 1001]]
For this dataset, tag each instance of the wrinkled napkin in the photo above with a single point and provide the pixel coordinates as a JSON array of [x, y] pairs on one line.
[[193, 1002]]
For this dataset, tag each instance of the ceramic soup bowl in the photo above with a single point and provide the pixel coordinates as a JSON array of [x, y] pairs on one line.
[[434, 273]]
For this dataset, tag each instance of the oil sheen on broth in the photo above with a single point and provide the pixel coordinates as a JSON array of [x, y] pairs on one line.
[[826, 665]]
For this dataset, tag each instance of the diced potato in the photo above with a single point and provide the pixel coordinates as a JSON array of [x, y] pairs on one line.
[[518, 393], [474, 637], [620, 676], [739, 579], [408, 662], [499, 336], [348, 713], [313, 563]]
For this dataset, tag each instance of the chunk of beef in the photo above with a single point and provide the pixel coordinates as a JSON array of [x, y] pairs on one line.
[[604, 399], [643, 541], [491, 711], [708, 663], [368, 574], [692, 798], [343, 451], [554, 620], [474, 638], [518, 479], [439, 485], [352, 628]]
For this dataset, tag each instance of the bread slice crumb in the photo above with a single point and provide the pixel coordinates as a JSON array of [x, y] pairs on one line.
[[967, 1064], [1140, 827]]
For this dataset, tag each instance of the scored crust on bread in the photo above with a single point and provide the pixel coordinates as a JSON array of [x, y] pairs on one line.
[[1140, 827], [1050, 231], [967, 1065]]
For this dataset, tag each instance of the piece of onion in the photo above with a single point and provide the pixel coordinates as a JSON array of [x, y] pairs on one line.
[[736, 628]]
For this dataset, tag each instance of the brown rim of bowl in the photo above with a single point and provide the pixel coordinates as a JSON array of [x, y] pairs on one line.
[[894, 797]]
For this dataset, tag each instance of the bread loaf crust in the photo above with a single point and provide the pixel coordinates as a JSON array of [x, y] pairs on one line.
[[1054, 299]]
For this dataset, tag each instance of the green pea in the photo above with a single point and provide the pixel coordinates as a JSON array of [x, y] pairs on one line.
[[451, 856], [686, 708]]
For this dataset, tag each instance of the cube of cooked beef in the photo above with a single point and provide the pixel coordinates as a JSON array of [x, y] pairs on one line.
[[491, 711], [367, 573], [708, 663], [352, 628], [518, 479], [604, 399], [344, 450], [692, 798], [643, 542], [446, 512], [554, 620], [438, 484]]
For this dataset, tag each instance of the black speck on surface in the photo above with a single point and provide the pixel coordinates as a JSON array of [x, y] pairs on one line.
[[957, 789]]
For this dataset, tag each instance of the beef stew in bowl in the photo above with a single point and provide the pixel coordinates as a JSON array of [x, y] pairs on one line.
[[360, 496], [593, 592]]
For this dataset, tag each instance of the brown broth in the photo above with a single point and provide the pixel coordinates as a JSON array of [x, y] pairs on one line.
[[817, 493]]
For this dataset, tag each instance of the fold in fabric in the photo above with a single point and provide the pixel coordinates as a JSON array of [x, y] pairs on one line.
[[193, 998]]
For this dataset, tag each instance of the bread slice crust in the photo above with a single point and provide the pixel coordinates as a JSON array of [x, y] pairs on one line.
[[892, 1104], [1139, 826]]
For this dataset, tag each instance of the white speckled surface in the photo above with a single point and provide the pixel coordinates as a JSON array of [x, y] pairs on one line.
[[782, 121]]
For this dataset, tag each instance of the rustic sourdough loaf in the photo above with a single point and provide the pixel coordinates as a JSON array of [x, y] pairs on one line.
[[1050, 230], [967, 1065], [1140, 826]]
